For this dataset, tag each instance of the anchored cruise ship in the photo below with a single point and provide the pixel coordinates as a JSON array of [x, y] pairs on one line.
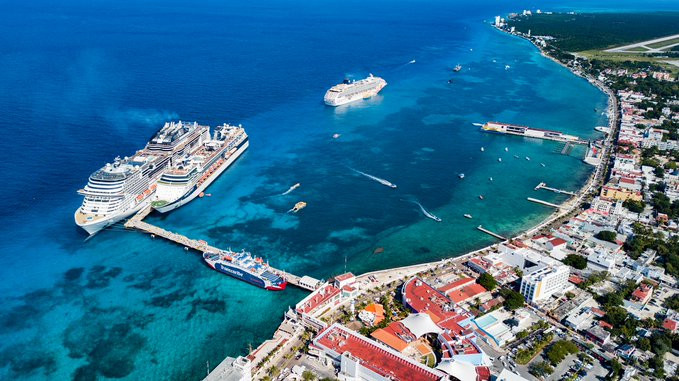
[[246, 268], [120, 189], [349, 91], [190, 174]]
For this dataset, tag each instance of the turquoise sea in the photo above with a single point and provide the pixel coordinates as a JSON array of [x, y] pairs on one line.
[[83, 82]]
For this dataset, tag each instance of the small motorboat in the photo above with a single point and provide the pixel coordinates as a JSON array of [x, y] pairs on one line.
[[506, 149], [468, 216], [490, 178], [457, 68], [516, 156], [543, 164], [412, 62], [499, 159], [298, 206], [461, 175], [335, 136], [480, 197], [527, 158], [482, 149]]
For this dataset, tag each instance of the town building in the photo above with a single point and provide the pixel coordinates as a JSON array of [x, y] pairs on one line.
[[543, 281]]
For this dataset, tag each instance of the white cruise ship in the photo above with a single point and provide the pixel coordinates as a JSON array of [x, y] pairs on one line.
[[120, 189], [189, 175], [350, 91]]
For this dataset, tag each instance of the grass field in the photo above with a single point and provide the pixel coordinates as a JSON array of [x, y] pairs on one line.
[[634, 57], [664, 43]]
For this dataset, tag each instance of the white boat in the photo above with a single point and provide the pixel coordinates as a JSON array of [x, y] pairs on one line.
[[506, 149], [527, 158], [461, 175], [482, 149], [499, 159], [350, 91], [490, 179], [468, 216]]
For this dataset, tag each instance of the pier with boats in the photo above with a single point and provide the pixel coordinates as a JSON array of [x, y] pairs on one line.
[[528, 132], [137, 223], [544, 186]]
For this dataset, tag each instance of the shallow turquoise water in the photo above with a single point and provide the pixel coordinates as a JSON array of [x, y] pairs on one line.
[[87, 83]]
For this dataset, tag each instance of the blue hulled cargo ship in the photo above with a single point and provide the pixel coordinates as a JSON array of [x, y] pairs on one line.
[[243, 266]]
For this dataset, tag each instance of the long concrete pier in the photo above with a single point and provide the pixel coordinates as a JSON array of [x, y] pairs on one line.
[[481, 228], [136, 222], [537, 201], [555, 190]]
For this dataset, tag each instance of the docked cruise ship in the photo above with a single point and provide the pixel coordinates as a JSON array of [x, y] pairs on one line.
[[120, 189], [190, 174], [243, 266], [350, 91]]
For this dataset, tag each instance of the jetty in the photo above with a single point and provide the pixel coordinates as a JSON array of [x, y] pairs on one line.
[[529, 132], [537, 201], [137, 223], [555, 190], [481, 228]]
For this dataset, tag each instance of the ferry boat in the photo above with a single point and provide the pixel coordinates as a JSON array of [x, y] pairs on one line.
[[350, 91], [192, 173], [242, 265], [122, 188]]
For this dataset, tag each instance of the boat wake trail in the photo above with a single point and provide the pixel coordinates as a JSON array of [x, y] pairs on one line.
[[292, 188], [427, 213], [375, 178]]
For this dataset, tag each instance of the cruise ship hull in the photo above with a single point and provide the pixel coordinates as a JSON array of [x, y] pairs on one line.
[[345, 100], [197, 189], [102, 223], [245, 276]]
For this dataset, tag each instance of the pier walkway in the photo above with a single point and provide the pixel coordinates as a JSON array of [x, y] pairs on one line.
[[136, 222], [535, 200], [555, 190], [481, 228]]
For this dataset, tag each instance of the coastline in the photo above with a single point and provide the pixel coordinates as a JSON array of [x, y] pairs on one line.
[[278, 342]]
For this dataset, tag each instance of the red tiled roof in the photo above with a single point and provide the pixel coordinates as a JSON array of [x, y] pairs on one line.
[[467, 292], [422, 297], [374, 357], [670, 324], [641, 292], [575, 279], [604, 324], [320, 297], [557, 241], [482, 373], [598, 312], [345, 276], [457, 284]]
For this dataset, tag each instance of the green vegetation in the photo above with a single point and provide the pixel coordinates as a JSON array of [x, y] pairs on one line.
[[541, 369], [616, 368], [667, 248], [540, 324], [593, 279], [487, 281], [672, 302], [663, 43], [606, 235], [513, 299], [559, 350], [577, 261], [634, 206], [586, 31], [662, 204], [308, 375], [524, 356]]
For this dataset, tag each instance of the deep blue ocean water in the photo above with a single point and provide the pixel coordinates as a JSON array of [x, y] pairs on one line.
[[83, 82]]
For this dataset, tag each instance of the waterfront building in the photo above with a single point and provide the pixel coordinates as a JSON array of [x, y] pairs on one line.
[[361, 359], [543, 281], [232, 369]]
